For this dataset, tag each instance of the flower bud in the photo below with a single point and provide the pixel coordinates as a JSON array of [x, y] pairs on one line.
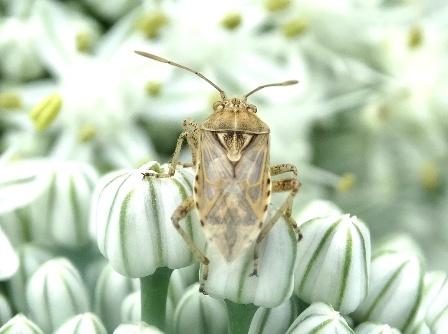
[[31, 257], [132, 215], [197, 311], [110, 291], [317, 209], [137, 328], [131, 309], [319, 318], [180, 280], [333, 262], [433, 280], [375, 328], [20, 324], [275, 320], [55, 292], [86, 323], [437, 314], [395, 292], [58, 215], [274, 283]]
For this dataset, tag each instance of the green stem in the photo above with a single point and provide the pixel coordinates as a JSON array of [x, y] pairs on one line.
[[154, 290], [240, 317]]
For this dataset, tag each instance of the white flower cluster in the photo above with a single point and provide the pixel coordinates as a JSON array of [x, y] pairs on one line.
[[81, 115]]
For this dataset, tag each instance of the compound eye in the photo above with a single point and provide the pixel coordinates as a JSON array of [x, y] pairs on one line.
[[252, 108], [218, 105]]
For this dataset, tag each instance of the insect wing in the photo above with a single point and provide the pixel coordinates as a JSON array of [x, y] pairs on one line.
[[232, 197]]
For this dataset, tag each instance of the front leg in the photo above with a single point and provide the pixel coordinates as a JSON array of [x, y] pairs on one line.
[[191, 134]]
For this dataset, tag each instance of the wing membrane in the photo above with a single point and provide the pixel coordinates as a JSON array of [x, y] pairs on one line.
[[231, 196]]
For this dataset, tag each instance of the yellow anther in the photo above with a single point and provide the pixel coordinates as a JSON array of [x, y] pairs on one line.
[[46, 111], [415, 37], [231, 20], [153, 88], [151, 23], [10, 100], [430, 176], [346, 183], [86, 133], [295, 27], [276, 5], [83, 42]]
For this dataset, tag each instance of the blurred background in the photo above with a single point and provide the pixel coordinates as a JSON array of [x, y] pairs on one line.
[[367, 125]]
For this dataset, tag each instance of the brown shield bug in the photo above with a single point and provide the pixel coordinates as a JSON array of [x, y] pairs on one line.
[[233, 185]]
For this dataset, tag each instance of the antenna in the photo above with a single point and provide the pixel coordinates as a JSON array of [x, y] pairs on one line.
[[163, 60], [284, 83]]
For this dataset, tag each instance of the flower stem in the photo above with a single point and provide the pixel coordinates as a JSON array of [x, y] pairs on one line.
[[240, 316], [154, 289]]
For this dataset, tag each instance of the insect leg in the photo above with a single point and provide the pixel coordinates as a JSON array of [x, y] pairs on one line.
[[281, 169], [289, 184], [192, 129], [190, 133], [181, 212]]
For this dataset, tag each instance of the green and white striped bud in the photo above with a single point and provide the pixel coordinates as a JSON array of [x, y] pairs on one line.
[[181, 279], [59, 214], [276, 320], [132, 215], [197, 311], [334, 262], [395, 292], [433, 280], [437, 314], [320, 318], [31, 257], [274, 283], [86, 323], [56, 292], [375, 328], [317, 209], [110, 291], [20, 325], [137, 328], [131, 309]]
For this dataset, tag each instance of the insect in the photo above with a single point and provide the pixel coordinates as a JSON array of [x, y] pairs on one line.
[[233, 185]]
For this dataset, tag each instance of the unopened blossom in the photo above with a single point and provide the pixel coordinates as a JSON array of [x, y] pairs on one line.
[[131, 308], [334, 262], [437, 312], [56, 198], [86, 323], [319, 318], [132, 217], [137, 328], [110, 291], [277, 256], [375, 328], [395, 290], [276, 320], [56, 292], [31, 257], [196, 311], [20, 324]]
